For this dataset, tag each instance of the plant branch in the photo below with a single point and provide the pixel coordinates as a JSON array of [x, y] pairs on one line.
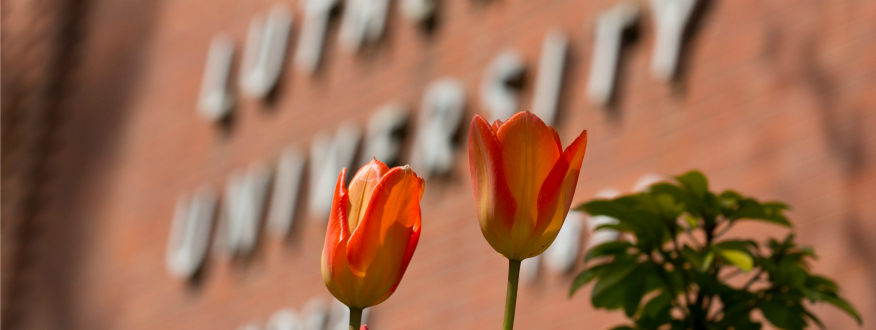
[[724, 230], [731, 275], [669, 286], [694, 240], [678, 252], [753, 279]]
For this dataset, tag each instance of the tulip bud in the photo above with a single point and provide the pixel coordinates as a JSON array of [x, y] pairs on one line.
[[523, 182], [372, 233]]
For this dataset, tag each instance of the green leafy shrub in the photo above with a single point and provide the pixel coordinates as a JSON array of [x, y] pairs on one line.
[[674, 272]]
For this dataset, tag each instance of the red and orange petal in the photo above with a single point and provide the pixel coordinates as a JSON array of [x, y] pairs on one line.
[[493, 200], [361, 187], [496, 125], [334, 259], [574, 153], [529, 152], [555, 198], [522, 178], [409, 253], [379, 244], [359, 268]]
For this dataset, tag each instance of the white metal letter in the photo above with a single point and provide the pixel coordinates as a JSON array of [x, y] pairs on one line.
[[497, 93], [315, 314], [363, 22], [284, 319], [529, 269], [265, 51], [190, 233], [243, 209], [328, 156], [671, 17], [550, 76], [418, 11], [287, 186], [215, 100], [610, 25], [249, 326], [382, 140], [439, 119], [316, 18]]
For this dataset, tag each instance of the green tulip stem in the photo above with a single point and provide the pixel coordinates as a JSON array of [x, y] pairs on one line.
[[355, 318], [511, 297]]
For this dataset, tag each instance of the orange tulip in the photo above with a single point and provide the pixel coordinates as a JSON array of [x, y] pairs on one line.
[[523, 182], [372, 233]]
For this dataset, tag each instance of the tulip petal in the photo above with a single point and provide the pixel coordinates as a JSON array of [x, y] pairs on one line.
[[361, 188], [412, 246], [557, 138], [574, 153], [550, 197], [496, 125], [493, 200], [555, 197], [378, 246], [335, 271], [529, 153]]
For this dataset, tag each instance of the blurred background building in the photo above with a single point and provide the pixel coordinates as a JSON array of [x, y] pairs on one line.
[[112, 118]]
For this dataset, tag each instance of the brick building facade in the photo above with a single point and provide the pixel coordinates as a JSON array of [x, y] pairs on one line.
[[772, 98]]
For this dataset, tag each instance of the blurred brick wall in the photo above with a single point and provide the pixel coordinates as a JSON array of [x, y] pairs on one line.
[[776, 99]]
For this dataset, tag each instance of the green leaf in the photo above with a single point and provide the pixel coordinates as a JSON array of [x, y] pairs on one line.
[[692, 222], [745, 323], [669, 208], [841, 303], [634, 214], [656, 305], [783, 316], [653, 218], [625, 227], [707, 261], [635, 289], [618, 208], [695, 182], [609, 291], [790, 272], [610, 298], [737, 303], [740, 259], [588, 275], [814, 318], [618, 271], [608, 249], [621, 265], [821, 284], [699, 260], [775, 207], [729, 198], [737, 245], [770, 212], [690, 203]]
